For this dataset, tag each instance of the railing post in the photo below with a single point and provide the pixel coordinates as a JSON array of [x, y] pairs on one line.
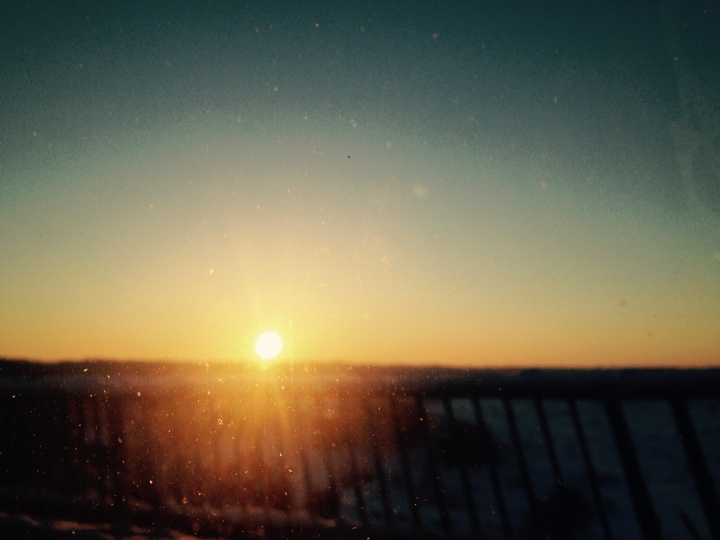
[[590, 468], [492, 467], [433, 466], [382, 476], [644, 509], [460, 447], [698, 466], [520, 455], [405, 463]]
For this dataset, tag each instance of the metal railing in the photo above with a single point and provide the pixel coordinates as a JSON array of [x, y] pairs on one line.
[[352, 453]]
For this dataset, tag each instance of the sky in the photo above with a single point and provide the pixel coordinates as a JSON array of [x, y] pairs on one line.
[[484, 184]]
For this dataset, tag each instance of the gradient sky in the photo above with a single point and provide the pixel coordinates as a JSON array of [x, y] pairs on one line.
[[494, 183]]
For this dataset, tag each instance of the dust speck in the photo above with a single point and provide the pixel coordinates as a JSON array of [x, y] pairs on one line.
[[419, 191]]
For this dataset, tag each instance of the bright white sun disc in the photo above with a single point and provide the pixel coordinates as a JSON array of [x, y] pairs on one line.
[[268, 345]]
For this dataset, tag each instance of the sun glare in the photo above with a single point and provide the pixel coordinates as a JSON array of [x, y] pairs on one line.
[[268, 345]]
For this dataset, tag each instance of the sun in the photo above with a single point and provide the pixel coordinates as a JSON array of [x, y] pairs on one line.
[[268, 345]]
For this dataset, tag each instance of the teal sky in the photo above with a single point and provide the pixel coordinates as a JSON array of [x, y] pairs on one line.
[[485, 183]]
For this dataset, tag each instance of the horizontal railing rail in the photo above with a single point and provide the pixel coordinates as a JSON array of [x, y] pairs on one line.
[[355, 452]]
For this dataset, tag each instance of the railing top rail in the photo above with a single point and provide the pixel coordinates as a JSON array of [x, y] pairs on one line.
[[127, 378]]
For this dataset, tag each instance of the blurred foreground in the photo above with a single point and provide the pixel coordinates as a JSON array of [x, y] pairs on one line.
[[106, 449]]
